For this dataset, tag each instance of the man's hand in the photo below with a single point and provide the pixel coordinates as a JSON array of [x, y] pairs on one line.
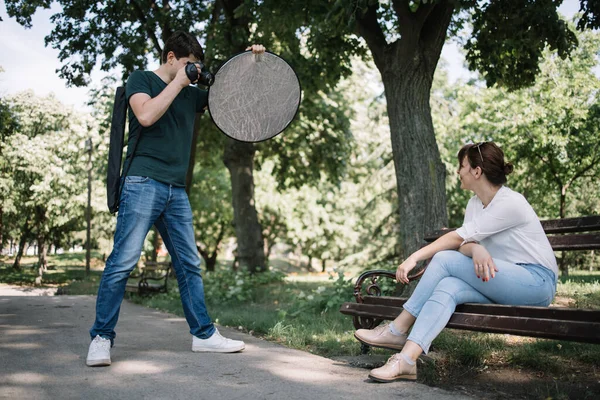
[[182, 79], [256, 48], [483, 263]]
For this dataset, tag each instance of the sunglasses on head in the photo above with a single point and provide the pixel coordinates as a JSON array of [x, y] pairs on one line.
[[478, 145]]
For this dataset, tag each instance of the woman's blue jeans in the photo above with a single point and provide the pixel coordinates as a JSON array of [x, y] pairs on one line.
[[146, 202], [450, 280]]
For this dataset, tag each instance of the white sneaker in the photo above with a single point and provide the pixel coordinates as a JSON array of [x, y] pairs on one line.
[[99, 353], [216, 344]]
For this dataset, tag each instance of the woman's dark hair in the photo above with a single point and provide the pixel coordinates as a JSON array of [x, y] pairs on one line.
[[182, 44], [490, 158]]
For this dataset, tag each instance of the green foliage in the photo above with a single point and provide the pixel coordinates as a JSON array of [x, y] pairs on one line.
[[324, 298], [210, 198], [240, 286], [45, 168], [581, 286], [66, 269], [549, 131], [128, 34], [124, 34], [117, 33], [315, 146], [590, 19], [509, 38]]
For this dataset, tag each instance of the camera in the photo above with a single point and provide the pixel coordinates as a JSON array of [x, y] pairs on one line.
[[203, 77]]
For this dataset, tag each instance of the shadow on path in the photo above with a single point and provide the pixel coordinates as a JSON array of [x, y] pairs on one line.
[[44, 342]]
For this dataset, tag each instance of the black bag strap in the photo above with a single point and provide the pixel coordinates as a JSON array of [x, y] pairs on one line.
[[126, 164], [115, 151]]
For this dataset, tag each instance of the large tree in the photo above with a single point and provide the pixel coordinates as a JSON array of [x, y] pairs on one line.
[[128, 33], [405, 39]]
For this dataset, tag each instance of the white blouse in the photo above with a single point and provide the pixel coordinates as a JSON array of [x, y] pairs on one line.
[[509, 229]]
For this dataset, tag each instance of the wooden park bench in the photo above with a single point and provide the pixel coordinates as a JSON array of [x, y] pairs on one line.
[[573, 324], [152, 277]]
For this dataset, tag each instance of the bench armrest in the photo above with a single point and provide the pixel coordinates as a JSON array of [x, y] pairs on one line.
[[373, 288]]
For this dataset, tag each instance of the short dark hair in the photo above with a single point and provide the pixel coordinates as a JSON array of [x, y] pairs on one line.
[[182, 44], [489, 157]]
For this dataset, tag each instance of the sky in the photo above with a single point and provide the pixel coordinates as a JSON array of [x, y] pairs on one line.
[[28, 64]]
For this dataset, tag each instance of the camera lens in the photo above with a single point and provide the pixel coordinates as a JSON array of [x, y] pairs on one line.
[[206, 78]]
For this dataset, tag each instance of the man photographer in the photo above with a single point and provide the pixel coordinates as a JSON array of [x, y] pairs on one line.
[[162, 108]]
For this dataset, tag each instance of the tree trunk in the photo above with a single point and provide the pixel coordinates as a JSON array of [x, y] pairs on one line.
[[420, 173], [407, 66], [155, 244], [323, 265], [563, 201], [22, 242], [309, 265], [88, 210], [189, 177], [42, 261], [268, 248], [562, 264], [211, 261], [17, 263], [239, 160], [210, 266], [1, 229]]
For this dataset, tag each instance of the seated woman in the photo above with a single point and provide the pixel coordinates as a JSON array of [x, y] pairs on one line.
[[501, 238]]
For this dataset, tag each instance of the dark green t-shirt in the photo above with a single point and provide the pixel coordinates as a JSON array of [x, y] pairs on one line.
[[163, 151]]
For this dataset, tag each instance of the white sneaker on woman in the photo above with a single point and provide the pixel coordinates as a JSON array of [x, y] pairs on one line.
[[99, 352], [216, 344]]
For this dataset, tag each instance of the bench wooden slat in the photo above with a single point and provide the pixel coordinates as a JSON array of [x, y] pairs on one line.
[[131, 288], [559, 243], [551, 226], [578, 331], [573, 314], [134, 287], [575, 242], [157, 263], [590, 223], [582, 331]]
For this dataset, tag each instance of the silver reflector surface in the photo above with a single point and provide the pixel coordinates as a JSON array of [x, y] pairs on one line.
[[254, 97]]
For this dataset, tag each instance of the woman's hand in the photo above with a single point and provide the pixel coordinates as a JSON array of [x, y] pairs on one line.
[[404, 269], [483, 263]]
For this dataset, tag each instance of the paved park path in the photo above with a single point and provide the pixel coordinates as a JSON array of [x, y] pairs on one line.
[[44, 341]]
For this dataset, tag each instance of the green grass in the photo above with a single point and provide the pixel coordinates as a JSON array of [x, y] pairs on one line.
[[62, 269], [581, 286]]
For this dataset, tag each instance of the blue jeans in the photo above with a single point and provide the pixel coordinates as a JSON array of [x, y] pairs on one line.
[[146, 202], [450, 280]]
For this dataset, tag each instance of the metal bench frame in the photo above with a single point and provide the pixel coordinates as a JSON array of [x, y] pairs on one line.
[[152, 278]]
